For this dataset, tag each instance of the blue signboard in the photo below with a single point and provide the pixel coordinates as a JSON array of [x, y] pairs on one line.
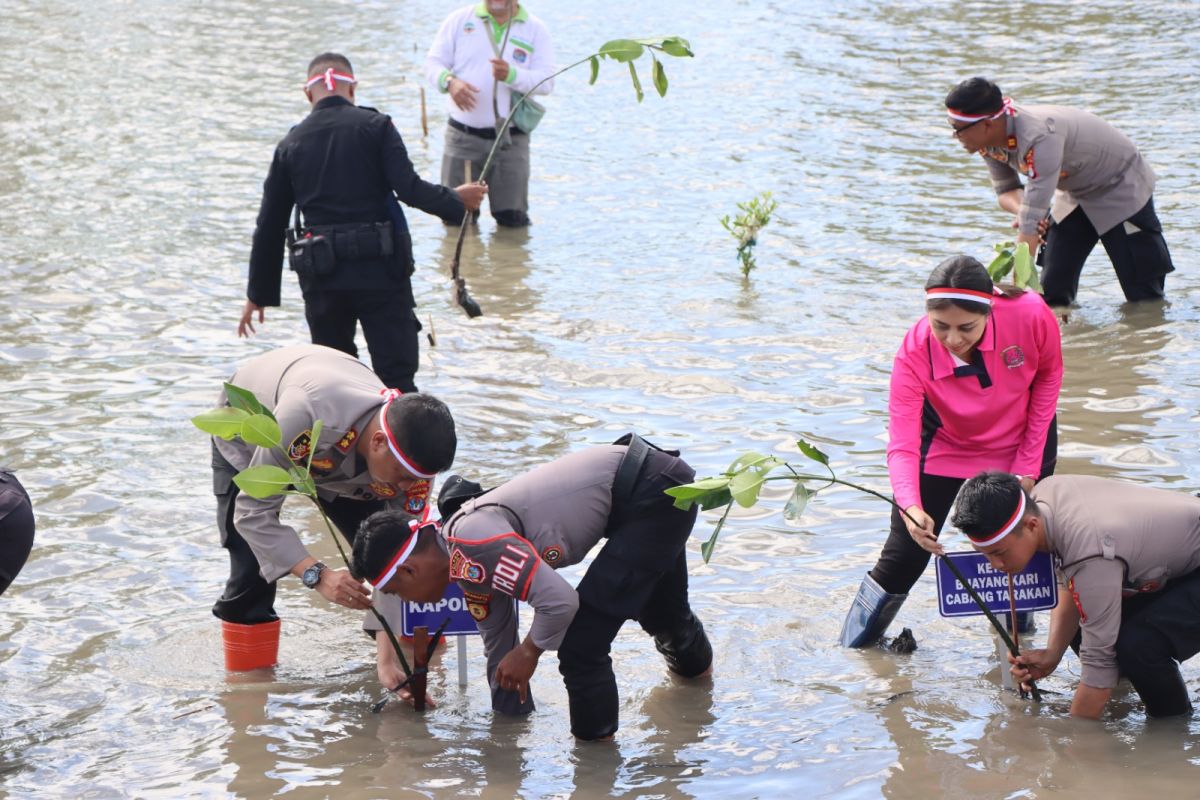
[[432, 615], [1034, 588]]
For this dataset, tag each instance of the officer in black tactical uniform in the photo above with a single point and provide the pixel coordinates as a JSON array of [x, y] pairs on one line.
[[342, 169]]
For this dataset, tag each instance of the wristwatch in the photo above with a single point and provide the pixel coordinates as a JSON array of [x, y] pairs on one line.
[[312, 575]]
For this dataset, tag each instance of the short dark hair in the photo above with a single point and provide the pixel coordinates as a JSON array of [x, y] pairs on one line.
[[327, 60], [380, 536], [975, 96], [986, 502], [424, 429], [959, 272]]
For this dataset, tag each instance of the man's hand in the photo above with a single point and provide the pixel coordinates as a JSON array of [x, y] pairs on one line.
[[462, 93], [1033, 240], [922, 530], [391, 675], [245, 324], [515, 669], [500, 69], [1032, 665], [472, 194], [339, 586]]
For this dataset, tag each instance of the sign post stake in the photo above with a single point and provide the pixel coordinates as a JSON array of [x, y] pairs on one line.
[[462, 661], [420, 666]]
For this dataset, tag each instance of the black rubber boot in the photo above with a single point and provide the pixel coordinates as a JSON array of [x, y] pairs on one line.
[[871, 612]]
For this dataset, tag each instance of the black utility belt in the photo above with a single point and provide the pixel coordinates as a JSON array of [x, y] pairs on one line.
[[483, 133], [318, 249]]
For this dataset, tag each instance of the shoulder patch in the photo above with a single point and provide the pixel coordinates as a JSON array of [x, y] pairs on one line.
[[347, 441], [463, 568], [383, 490], [299, 448], [416, 497], [1030, 169], [514, 568], [1075, 597], [323, 465], [552, 554]]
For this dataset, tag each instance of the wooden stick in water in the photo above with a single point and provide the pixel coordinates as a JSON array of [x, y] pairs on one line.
[[424, 119], [420, 664], [1016, 633]]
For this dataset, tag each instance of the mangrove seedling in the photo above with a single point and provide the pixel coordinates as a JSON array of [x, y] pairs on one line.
[[248, 419], [1014, 259], [624, 51], [743, 480], [755, 215]]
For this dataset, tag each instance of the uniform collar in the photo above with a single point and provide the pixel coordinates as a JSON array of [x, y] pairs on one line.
[[331, 101], [482, 12], [942, 361]]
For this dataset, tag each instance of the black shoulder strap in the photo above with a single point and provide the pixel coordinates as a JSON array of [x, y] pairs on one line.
[[631, 465]]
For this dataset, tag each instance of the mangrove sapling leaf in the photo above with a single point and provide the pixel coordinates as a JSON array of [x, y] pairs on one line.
[[224, 423], [595, 62], [707, 548], [637, 84], [263, 481], [315, 437], [623, 50], [716, 499], [1023, 266], [687, 494], [245, 400], [745, 486], [660, 78], [1001, 265], [796, 504], [676, 46], [261, 431], [813, 452]]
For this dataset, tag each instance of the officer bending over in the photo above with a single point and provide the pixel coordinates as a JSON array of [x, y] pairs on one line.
[[1128, 556], [342, 169], [507, 543]]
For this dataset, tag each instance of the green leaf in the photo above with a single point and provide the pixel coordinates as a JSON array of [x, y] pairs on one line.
[[245, 400], [637, 84], [715, 500], [753, 460], [261, 431], [706, 549], [698, 488], [660, 78], [812, 452], [745, 487], [796, 503], [677, 46], [622, 50], [224, 423], [595, 62], [1023, 265], [1000, 265], [303, 481], [263, 481], [314, 437]]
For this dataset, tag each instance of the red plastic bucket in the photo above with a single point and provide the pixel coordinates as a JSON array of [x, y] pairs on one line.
[[250, 646]]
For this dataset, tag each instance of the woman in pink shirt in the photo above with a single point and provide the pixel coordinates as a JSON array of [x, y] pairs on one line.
[[974, 387]]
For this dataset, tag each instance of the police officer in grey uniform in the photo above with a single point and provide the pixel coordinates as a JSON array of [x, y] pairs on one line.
[[376, 447], [1104, 188], [507, 543], [342, 169], [1128, 559]]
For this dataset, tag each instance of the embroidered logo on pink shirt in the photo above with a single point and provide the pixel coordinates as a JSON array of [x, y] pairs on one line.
[[1013, 356]]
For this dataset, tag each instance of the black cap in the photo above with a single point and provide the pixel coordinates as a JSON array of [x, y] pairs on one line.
[[456, 491]]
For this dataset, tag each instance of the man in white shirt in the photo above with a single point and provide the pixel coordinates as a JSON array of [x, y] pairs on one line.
[[467, 64]]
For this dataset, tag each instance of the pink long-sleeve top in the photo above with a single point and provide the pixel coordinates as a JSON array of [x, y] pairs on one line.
[[952, 426]]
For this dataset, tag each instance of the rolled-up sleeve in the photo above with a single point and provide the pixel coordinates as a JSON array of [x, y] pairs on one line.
[[1096, 589]]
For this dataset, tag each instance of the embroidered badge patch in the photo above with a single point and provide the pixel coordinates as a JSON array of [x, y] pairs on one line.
[[1012, 143], [552, 554], [1075, 597], [469, 26], [416, 497], [299, 448], [383, 490], [1013, 356], [322, 465], [344, 444], [1030, 169], [519, 55], [464, 569], [479, 611]]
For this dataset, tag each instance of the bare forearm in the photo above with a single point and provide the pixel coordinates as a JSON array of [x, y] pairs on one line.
[[1011, 200]]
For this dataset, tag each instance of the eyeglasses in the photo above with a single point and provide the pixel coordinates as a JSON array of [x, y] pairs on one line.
[[958, 132]]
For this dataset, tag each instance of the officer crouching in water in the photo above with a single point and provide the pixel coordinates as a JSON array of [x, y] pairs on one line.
[[496, 543], [342, 169]]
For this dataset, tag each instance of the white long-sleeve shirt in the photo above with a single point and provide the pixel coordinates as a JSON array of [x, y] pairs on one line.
[[463, 49]]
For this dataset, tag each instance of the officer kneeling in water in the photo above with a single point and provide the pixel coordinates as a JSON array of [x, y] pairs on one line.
[[343, 167], [1129, 557], [508, 542]]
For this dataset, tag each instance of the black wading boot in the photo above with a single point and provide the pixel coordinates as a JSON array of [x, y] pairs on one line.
[[871, 612]]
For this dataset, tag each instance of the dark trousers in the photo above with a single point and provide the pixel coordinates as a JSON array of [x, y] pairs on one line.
[[16, 528], [640, 573], [389, 324], [902, 561], [248, 599], [1140, 259], [1158, 631]]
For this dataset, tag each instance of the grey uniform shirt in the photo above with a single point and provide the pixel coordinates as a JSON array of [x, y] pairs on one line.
[[1096, 166], [301, 385], [1112, 540], [509, 542]]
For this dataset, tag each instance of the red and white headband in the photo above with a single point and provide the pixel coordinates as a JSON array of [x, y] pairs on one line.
[[1006, 109], [401, 556], [328, 77], [405, 461], [1005, 530], [951, 293]]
